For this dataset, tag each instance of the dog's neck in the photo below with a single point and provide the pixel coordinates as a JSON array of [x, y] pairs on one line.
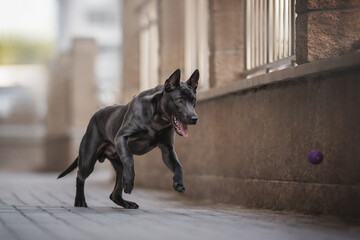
[[160, 120]]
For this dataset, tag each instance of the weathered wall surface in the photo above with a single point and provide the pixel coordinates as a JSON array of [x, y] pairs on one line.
[[251, 147], [326, 29], [226, 40], [130, 49], [171, 37]]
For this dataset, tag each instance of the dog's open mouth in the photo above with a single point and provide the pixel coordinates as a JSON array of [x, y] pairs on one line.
[[180, 128]]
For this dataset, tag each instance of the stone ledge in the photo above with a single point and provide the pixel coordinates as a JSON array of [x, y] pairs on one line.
[[313, 198], [292, 73]]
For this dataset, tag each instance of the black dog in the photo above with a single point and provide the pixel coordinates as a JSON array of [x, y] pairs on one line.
[[149, 120]]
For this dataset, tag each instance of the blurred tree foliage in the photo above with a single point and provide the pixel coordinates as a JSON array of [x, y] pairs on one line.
[[17, 50]]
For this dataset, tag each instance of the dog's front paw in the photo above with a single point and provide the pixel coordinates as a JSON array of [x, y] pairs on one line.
[[121, 202], [128, 185], [179, 186], [129, 205]]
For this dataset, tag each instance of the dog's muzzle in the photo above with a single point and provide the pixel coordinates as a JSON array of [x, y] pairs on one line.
[[193, 120]]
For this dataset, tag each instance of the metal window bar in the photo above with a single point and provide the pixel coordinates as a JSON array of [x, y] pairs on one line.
[[269, 33]]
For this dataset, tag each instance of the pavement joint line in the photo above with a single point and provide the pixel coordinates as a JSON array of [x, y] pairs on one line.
[[47, 192], [68, 194], [35, 223], [11, 231], [96, 211], [19, 199], [83, 216], [65, 222], [52, 215], [2, 202]]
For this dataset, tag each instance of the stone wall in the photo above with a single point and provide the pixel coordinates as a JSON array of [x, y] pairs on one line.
[[130, 49], [227, 28], [250, 146], [326, 29], [171, 13]]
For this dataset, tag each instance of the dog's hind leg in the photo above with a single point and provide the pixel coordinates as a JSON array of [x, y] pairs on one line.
[[80, 195], [116, 195], [87, 159]]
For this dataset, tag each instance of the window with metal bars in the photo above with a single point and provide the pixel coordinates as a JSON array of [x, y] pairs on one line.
[[269, 34]]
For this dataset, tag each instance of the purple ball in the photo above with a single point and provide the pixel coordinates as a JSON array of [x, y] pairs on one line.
[[315, 157]]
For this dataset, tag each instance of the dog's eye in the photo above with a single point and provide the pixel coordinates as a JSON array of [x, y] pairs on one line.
[[179, 100]]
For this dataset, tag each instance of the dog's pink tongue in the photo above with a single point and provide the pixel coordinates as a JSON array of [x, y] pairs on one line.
[[184, 129]]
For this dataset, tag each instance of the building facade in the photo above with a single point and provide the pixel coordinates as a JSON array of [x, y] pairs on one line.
[[101, 21], [278, 80]]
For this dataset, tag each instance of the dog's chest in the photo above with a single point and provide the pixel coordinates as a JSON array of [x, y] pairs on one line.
[[143, 142]]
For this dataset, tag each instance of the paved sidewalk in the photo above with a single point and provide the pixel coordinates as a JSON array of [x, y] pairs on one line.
[[37, 206]]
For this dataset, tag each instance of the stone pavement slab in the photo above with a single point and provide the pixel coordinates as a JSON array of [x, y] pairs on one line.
[[37, 206]]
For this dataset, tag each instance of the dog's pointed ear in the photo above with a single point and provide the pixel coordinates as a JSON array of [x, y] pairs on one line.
[[173, 81], [194, 79]]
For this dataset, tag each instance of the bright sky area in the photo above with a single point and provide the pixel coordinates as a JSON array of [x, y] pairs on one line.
[[31, 19]]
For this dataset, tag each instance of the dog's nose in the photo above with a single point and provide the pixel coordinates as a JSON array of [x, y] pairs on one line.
[[193, 119]]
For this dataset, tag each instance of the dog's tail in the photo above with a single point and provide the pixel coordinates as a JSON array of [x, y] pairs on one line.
[[69, 169]]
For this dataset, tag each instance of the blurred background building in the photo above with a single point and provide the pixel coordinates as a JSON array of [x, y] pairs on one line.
[[85, 75], [27, 40], [101, 21], [278, 79]]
